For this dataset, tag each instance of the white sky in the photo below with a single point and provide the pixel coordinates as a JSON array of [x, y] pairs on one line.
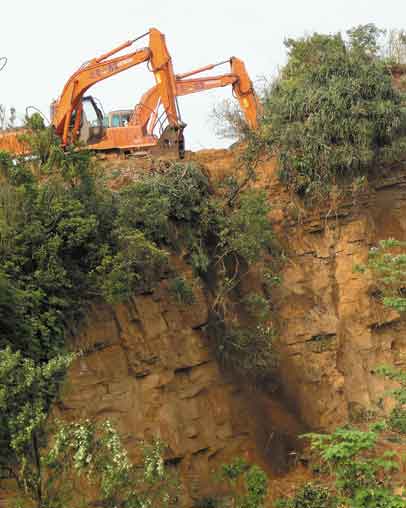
[[46, 40]]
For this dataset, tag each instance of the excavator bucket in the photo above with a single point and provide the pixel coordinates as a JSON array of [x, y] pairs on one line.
[[171, 142]]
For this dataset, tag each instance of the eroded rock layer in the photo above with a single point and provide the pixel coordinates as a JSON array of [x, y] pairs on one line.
[[147, 366]]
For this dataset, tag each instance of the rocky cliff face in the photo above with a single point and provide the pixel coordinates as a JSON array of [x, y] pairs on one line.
[[147, 364], [333, 329]]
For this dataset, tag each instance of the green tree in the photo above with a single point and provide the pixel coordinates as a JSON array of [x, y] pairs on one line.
[[80, 462], [397, 416], [387, 264], [362, 475], [38, 138], [136, 268], [26, 392], [248, 484], [13, 328], [88, 462], [333, 110], [310, 495]]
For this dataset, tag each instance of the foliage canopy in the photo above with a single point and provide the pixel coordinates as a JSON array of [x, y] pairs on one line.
[[332, 111]]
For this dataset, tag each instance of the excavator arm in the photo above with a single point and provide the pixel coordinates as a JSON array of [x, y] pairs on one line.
[[244, 91], [238, 78], [145, 113], [69, 105]]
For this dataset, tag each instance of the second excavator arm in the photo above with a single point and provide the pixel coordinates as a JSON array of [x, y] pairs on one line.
[[145, 113], [238, 78]]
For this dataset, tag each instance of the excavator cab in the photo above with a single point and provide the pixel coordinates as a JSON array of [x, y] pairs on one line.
[[119, 118], [86, 121], [92, 128]]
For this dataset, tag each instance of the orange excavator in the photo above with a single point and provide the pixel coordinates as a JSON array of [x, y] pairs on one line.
[[68, 115], [131, 130], [145, 114]]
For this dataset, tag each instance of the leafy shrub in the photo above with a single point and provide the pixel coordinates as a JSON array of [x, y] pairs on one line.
[[94, 453], [13, 329], [271, 279], [246, 231], [207, 502], [362, 476], [257, 307], [387, 263], [26, 392], [181, 289], [88, 460], [397, 420], [38, 138], [172, 209], [397, 417], [50, 238], [136, 268], [309, 496], [249, 350], [254, 487], [144, 206], [233, 470]]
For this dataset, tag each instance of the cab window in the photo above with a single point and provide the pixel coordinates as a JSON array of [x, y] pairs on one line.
[[115, 121]]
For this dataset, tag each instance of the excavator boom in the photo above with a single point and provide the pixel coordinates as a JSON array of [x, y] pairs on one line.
[[145, 113], [77, 85], [244, 91], [238, 78]]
